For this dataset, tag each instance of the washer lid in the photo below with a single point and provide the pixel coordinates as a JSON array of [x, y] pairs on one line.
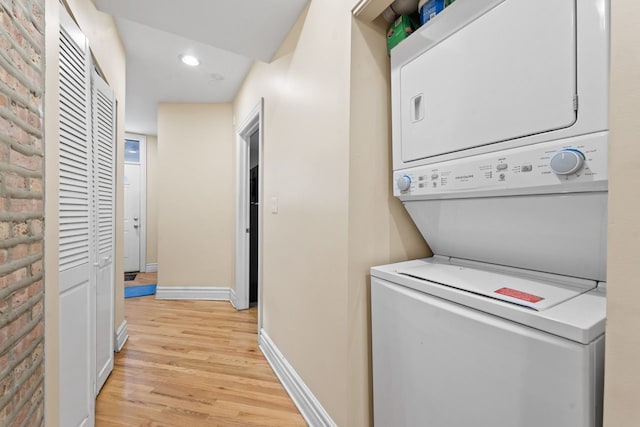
[[533, 294]]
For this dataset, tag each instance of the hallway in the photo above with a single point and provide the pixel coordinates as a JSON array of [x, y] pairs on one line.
[[192, 363]]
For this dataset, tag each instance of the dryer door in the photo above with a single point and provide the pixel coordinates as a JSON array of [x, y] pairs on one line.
[[508, 74]]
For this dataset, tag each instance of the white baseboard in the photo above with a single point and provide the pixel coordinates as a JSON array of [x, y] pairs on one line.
[[232, 298], [152, 267], [122, 335], [310, 408], [193, 293]]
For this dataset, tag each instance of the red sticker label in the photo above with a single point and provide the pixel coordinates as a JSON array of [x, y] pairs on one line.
[[519, 295]]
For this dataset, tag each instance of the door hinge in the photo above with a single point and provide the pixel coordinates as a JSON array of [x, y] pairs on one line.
[[575, 102], [247, 230]]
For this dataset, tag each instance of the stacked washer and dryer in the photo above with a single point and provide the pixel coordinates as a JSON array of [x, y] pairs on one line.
[[500, 141]]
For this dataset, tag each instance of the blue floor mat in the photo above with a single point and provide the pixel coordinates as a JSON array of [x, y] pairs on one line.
[[139, 291]]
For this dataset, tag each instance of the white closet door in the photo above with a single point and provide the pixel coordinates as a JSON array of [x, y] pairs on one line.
[[104, 120], [77, 293]]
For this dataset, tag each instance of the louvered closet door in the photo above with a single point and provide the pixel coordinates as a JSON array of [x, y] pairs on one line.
[[77, 293], [104, 113]]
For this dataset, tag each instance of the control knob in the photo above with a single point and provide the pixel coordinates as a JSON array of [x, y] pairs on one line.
[[404, 182], [567, 161]]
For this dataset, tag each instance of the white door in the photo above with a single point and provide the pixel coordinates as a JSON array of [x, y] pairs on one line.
[[132, 220], [77, 290], [104, 110]]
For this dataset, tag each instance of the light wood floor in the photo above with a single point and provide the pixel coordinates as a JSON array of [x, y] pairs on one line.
[[143, 279], [192, 363]]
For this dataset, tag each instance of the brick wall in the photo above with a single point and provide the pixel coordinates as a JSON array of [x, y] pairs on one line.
[[21, 212]]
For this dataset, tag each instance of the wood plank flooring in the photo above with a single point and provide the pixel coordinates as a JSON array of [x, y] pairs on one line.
[[192, 363], [143, 279]]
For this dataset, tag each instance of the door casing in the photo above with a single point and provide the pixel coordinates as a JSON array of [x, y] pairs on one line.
[[142, 139], [252, 122]]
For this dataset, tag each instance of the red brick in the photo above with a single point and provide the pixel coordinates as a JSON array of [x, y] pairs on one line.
[[26, 205], [35, 142], [20, 229], [6, 412], [4, 152], [22, 41], [35, 185], [36, 268], [5, 385], [37, 15], [19, 251], [22, 415], [19, 135], [23, 392], [4, 361], [5, 230], [26, 341], [19, 298], [13, 180], [35, 288], [36, 227], [34, 120], [37, 352], [16, 276], [21, 368], [35, 248], [5, 125], [14, 327], [37, 310], [33, 163]]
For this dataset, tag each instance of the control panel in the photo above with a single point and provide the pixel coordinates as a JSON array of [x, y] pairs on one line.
[[569, 165]]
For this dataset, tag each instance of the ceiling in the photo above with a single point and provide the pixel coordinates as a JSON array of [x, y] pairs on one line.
[[225, 35]]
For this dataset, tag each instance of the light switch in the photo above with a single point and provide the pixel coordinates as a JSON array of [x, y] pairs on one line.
[[274, 205]]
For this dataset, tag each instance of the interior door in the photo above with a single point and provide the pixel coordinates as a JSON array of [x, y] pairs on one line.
[[77, 291], [132, 218], [104, 113], [508, 74]]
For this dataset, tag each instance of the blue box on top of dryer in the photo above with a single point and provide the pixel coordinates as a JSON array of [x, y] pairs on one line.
[[430, 8]]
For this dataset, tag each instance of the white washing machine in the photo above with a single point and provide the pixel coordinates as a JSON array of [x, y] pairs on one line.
[[504, 327], [500, 146], [460, 346]]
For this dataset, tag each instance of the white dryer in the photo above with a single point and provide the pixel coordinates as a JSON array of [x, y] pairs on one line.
[[500, 157]]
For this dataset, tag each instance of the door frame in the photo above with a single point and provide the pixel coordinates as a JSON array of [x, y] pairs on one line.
[[253, 121], [142, 139]]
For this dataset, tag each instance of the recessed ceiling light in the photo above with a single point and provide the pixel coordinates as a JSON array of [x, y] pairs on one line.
[[190, 60]]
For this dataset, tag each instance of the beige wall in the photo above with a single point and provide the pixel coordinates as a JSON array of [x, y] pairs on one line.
[[327, 160], [196, 195], [108, 50], [622, 389], [152, 199], [380, 230], [306, 157], [51, 187]]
